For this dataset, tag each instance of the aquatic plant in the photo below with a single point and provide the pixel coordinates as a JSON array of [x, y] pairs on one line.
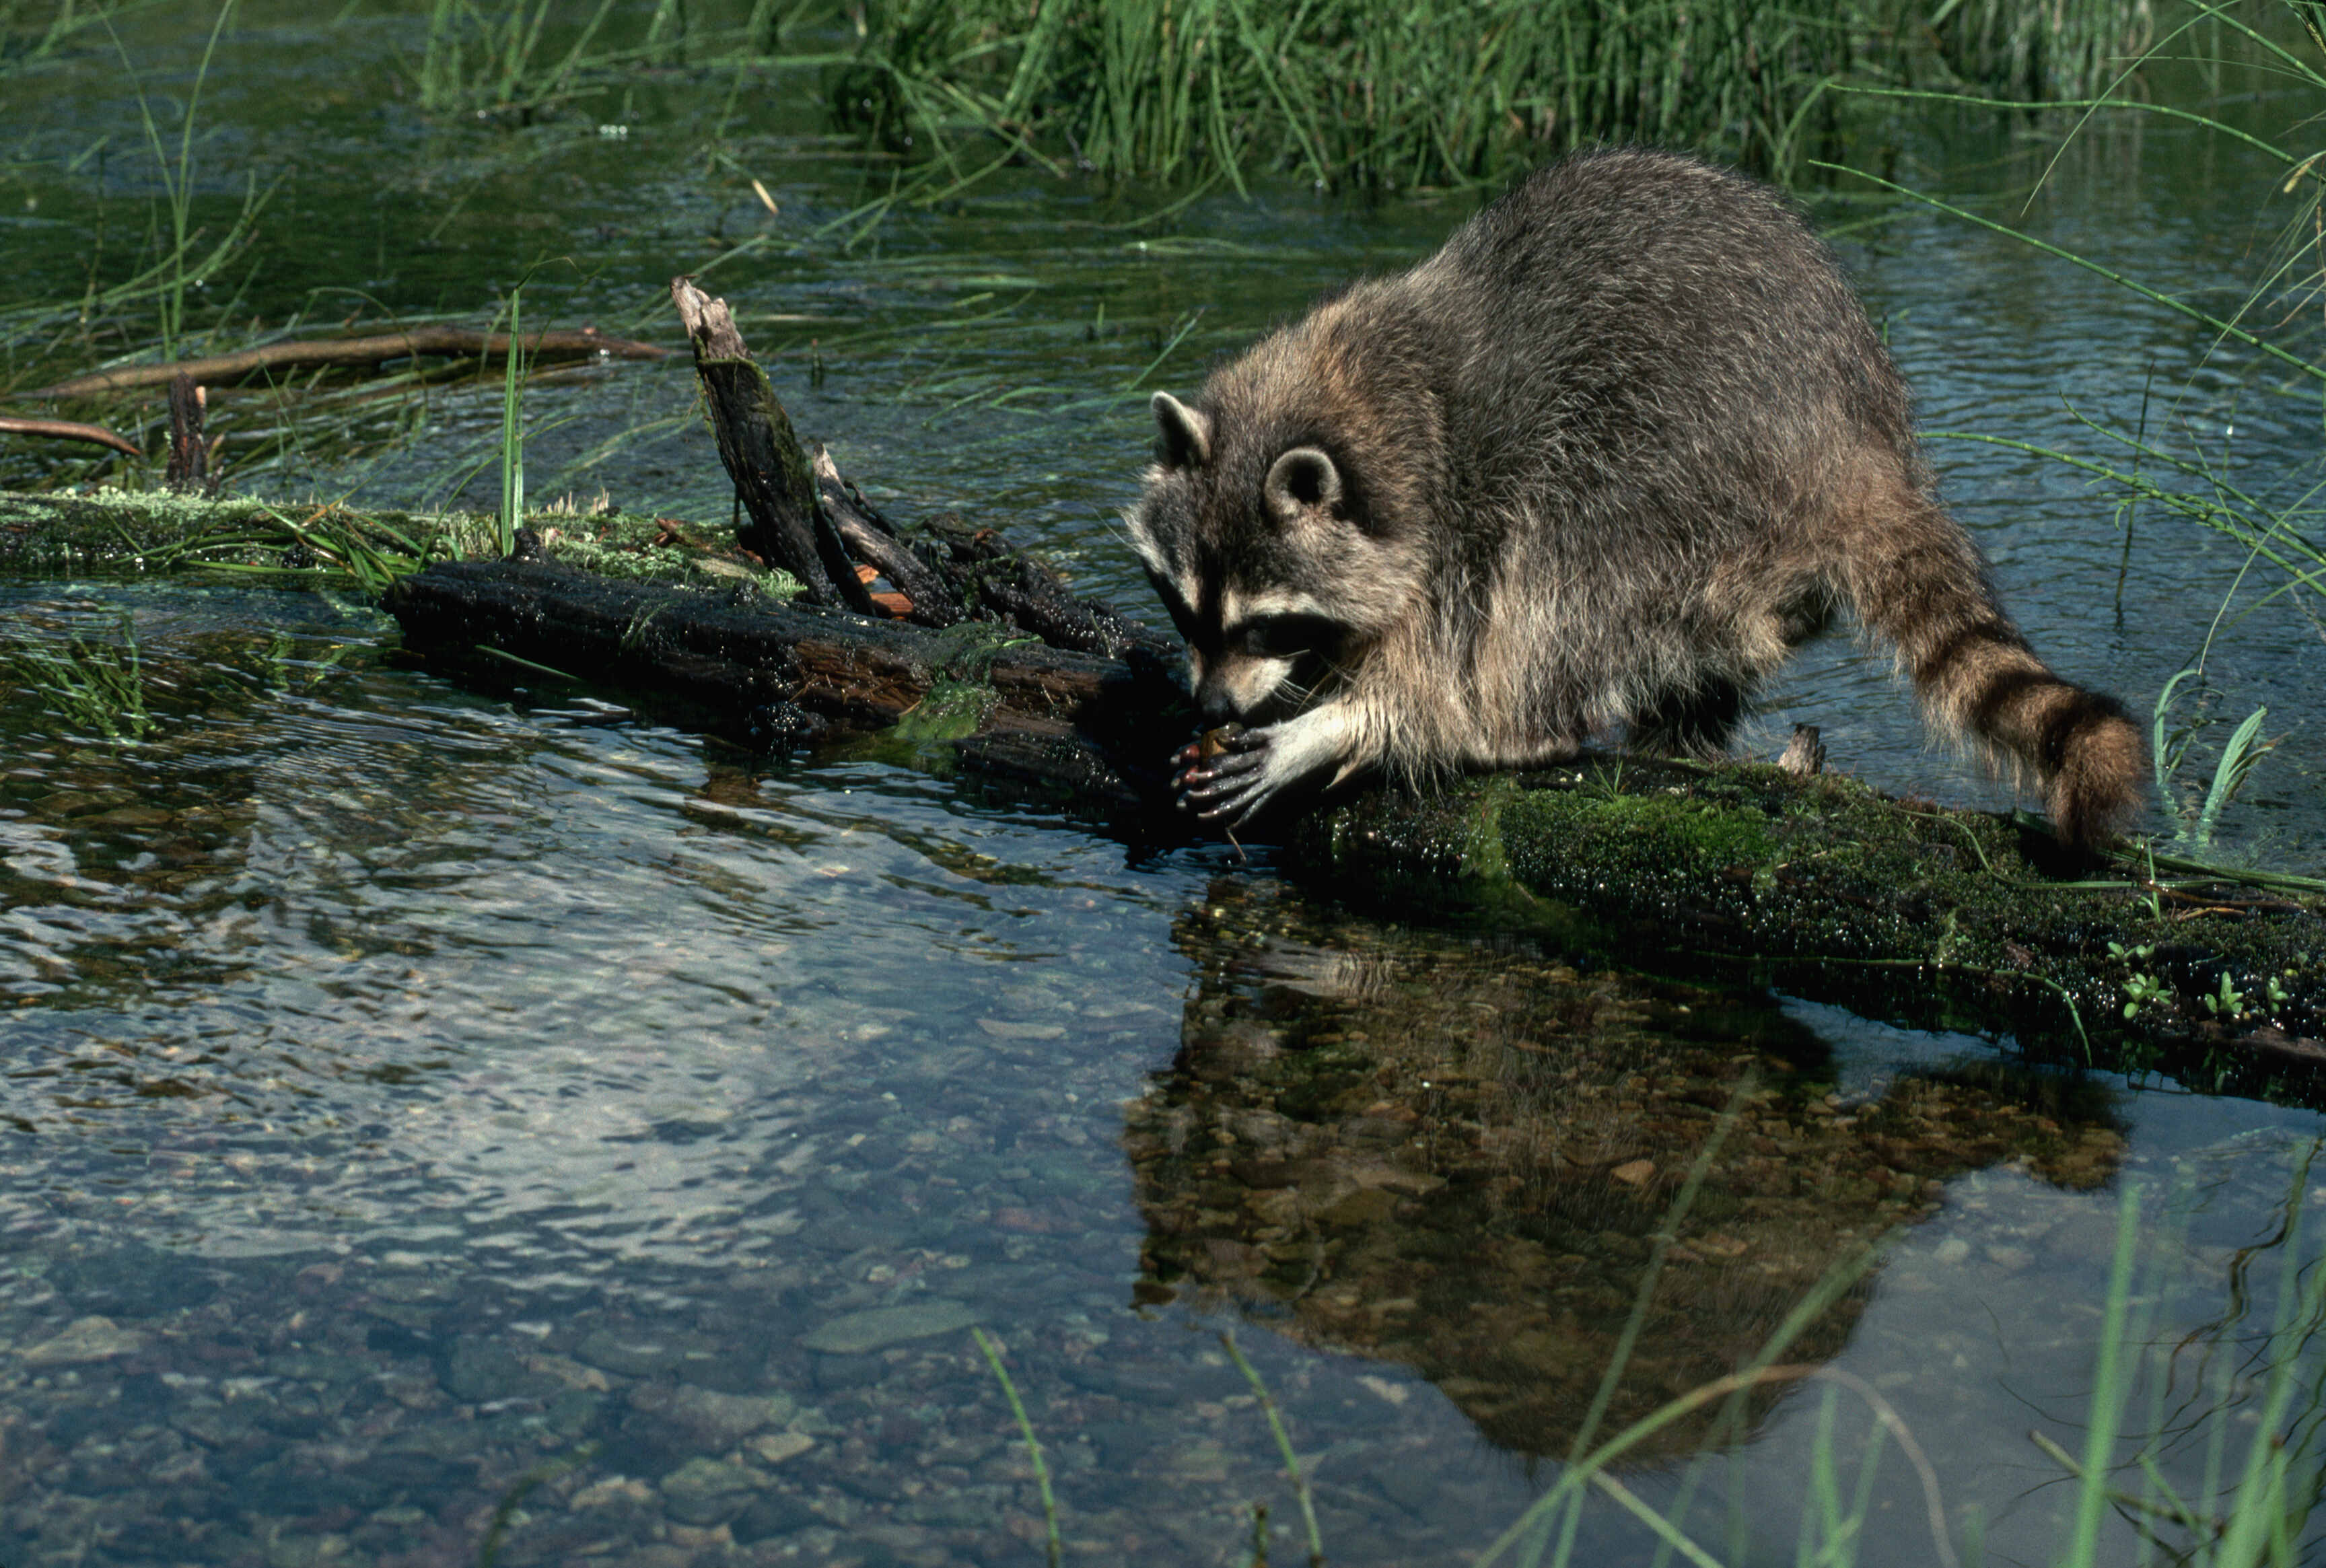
[[32, 30], [512, 513], [2037, 51], [2169, 745], [991, 1349], [95, 685], [478, 57]]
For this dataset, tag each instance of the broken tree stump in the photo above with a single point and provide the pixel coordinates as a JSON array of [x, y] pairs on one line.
[[763, 456]]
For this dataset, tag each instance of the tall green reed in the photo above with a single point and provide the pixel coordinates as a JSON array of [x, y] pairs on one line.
[[512, 512], [1341, 92]]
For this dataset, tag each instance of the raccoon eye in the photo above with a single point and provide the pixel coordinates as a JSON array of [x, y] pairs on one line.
[[1289, 636]]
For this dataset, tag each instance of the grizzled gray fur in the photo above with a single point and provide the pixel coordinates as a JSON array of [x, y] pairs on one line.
[[1600, 463]]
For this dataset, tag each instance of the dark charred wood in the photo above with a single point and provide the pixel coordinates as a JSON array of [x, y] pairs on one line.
[[189, 469], [763, 458], [1030, 595], [1089, 723], [871, 540]]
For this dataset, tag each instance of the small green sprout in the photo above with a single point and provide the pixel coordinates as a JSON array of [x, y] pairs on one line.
[[2139, 990], [2228, 1002]]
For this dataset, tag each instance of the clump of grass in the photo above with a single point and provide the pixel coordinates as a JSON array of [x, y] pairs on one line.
[[97, 686], [1434, 93], [2034, 52], [2169, 747], [1441, 92]]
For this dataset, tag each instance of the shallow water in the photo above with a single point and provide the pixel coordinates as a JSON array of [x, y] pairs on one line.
[[432, 1124]]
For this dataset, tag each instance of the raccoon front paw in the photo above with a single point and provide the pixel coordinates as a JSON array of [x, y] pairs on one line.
[[1233, 777], [1219, 775]]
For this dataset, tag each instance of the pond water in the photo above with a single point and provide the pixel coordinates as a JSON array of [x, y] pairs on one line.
[[435, 1128]]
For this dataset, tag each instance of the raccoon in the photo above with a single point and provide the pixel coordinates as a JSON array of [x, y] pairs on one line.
[[1602, 461]]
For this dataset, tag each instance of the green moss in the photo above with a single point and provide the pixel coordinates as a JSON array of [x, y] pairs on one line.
[[952, 711], [147, 531], [1948, 919]]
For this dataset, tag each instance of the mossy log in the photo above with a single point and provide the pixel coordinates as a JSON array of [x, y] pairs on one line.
[[1898, 909], [774, 672]]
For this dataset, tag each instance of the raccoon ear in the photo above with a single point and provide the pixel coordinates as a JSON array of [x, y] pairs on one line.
[[1185, 436], [1303, 479]]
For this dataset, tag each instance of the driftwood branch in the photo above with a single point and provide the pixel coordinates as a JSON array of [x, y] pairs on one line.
[[190, 455], [66, 430], [374, 348], [763, 456]]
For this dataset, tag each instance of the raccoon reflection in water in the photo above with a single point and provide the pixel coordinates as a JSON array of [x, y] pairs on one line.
[[1602, 461]]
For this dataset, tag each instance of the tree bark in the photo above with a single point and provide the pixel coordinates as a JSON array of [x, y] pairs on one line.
[[763, 456]]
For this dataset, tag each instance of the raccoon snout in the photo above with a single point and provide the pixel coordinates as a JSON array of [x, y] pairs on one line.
[[1216, 703]]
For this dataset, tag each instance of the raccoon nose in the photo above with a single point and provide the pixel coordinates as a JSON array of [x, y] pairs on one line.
[[1212, 700]]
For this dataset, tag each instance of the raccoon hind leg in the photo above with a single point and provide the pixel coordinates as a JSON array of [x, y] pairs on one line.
[[1693, 722]]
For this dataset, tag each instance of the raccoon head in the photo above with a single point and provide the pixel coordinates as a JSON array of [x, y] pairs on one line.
[[1263, 546]]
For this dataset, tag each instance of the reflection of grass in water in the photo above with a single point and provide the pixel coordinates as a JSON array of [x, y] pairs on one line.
[[2252, 1508], [96, 686]]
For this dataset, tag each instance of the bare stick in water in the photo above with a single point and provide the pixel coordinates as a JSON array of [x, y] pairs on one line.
[[375, 348]]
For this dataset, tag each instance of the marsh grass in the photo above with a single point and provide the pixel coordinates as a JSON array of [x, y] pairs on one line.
[[509, 59], [1341, 92], [33, 31]]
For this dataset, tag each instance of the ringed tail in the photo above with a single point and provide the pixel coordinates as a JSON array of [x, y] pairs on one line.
[[1926, 591]]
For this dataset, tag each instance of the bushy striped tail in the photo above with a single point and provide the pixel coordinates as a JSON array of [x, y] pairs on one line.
[[1927, 592]]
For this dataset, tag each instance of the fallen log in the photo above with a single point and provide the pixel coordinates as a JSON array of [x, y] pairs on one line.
[[767, 671], [1899, 910], [372, 348]]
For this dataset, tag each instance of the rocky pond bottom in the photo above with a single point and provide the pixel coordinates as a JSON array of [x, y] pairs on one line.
[[440, 1130]]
